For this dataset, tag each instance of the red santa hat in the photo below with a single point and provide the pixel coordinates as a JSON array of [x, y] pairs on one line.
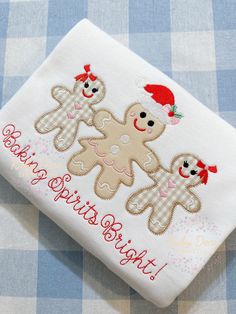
[[163, 105]]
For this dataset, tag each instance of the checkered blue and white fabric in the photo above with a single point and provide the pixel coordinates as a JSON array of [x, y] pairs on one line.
[[194, 41]]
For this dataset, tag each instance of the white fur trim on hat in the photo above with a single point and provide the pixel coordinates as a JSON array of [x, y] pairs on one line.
[[154, 108]]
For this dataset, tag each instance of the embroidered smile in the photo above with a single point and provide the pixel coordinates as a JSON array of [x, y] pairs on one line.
[[136, 126], [181, 173], [86, 95]]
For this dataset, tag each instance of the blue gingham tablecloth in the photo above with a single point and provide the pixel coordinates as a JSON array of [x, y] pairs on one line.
[[44, 271]]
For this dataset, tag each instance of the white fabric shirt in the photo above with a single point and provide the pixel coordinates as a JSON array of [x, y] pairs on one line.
[[183, 249]]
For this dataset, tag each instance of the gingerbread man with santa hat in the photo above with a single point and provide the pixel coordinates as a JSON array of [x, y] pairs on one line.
[[125, 141]]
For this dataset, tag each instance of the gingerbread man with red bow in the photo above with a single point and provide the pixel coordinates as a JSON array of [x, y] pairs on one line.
[[171, 188], [74, 106]]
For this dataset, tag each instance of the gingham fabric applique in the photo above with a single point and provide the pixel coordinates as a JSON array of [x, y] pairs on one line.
[[92, 156], [75, 106], [171, 188]]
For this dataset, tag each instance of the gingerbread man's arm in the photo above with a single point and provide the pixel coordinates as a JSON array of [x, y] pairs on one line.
[[60, 93], [190, 201], [147, 159], [156, 176], [104, 122]]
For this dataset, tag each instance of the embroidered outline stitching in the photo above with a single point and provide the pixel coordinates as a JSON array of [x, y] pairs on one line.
[[104, 137], [78, 120], [175, 204]]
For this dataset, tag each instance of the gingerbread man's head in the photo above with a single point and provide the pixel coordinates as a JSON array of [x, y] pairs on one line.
[[185, 169], [143, 124], [89, 87], [190, 170]]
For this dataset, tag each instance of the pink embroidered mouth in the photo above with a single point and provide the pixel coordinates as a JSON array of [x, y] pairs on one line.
[[136, 126], [181, 173], [86, 95]]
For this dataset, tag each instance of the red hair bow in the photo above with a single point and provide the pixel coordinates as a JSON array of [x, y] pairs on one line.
[[203, 174], [84, 76]]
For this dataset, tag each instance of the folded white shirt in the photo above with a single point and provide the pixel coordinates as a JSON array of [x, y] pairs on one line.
[[123, 159]]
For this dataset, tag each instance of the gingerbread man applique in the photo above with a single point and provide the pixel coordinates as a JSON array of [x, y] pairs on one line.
[[74, 106], [122, 143], [171, 188]]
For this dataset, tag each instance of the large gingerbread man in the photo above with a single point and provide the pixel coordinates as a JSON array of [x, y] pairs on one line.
[[122, 143], [171, 188], [74, 106]]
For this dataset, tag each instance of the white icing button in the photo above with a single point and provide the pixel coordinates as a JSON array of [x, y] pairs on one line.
[[124, 139], [115, 149]]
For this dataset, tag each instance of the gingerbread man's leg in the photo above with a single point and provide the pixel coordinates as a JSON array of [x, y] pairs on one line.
[[107, 183], [160, 219], [47, 122], [82, 162], [66, 137], [139, 201]]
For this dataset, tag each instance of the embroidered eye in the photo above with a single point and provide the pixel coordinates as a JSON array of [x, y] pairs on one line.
[[193, 172], [86, 85], [185, 164], [143, 114], [94, 90], [150, 123]]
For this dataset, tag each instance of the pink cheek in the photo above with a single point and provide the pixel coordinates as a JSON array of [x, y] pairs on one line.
[[132, 114], [149, 130]]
